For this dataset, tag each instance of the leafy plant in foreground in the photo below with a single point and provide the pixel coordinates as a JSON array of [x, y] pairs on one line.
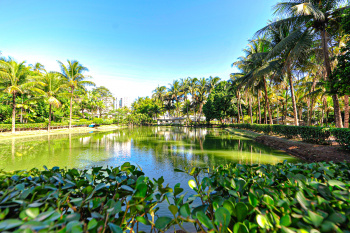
[[233, 198]]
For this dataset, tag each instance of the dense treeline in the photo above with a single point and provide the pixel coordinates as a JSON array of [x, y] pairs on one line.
[[295, 71], [30, 94]]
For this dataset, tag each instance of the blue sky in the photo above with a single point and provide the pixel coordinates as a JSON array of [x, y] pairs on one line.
[[132, 46]]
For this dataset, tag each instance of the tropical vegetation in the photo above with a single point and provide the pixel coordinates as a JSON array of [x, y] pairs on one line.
[[232, 198]]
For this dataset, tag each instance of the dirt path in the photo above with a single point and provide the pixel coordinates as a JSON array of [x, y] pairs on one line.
[[306, 151]]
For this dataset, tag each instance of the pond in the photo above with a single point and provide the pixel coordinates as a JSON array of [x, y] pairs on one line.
[[157, 150]]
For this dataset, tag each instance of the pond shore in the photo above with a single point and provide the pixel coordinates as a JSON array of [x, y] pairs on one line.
[[306, 151], [75, 130]]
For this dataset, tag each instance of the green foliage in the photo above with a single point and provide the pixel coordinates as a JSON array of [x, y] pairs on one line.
[[233, 198], [340, 80], [318, 135], [219, 104], [342, 136], [37, 126]]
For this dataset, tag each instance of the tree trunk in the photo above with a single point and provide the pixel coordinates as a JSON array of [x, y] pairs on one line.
[[239, 115], [286, 106], [259, 107], [346, 111], [296, 122], [70, 109], [13, 112], [49, 125], [250, 110], [327, 64], [308, 112], [267, 103], [240, 107]]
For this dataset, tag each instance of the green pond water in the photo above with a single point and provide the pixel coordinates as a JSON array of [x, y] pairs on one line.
[[157, 150]]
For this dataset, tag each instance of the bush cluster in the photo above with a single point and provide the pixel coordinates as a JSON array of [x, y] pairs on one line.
[[233, 198], [100, 121], [36, 126], [318, 135]]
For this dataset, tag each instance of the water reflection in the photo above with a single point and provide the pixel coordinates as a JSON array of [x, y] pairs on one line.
[[147, 146]]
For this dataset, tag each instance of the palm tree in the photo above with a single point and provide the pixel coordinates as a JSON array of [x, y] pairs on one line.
[[74, 78], [320, 16], [185, 88], [52, 86], [193, 89], [202, 94], [175, 93], [37, 67], [13, 81], [159, 93]]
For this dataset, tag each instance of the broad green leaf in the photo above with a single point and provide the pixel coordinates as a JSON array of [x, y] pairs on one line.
[[286, 221], [240, 228], [241, 211], [204, 220], [315, 218], [253, 200], [143, 220], [229, 206], [223, 217], [9, 224], [92, 224], [268, 200], [114, 228], [185, 210], [262, 221], [32, 212], [162, 222], [173, 209]]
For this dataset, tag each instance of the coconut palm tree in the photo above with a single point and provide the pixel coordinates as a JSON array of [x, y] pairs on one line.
[[52, 85], [159, 94], [13, 79], [193, 89], [74, 78], [175, 93], [37, 67], [320, 16]]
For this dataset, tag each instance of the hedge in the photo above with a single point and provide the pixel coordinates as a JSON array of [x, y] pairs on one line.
[[34, 126], [318, 135], [232, 198]]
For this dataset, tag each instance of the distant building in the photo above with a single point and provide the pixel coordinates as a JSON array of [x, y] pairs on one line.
[[122, 102]]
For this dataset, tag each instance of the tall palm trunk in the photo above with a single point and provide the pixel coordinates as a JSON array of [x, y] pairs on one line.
[[327, 64], [312, 101], [295, 112], [259, 107], [13, 112], [286, 106], [267, 104], [70, 109], [346, 111], [250, 110], [49, 125], [238, 106]]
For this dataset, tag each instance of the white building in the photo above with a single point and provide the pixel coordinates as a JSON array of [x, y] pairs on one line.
[[122, 102]]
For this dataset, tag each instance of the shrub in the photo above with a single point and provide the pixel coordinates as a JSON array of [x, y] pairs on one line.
[[311, 134], [342, 136], [98, 121], [232, 198]]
